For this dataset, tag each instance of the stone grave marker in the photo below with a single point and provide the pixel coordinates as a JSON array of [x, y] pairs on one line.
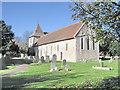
[[47, 59], [101, 64], [54, 58], [67, 68], [0, 55], [100, 60], [36, 58], [31, 58], [22, 55], [84, 60], [42, 59], [63, 63], [53, 67], [111, 60]]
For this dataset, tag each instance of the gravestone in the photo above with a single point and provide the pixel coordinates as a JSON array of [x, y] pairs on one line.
[[36, 58], [101, 64], [0, 55], [84, 60], [111, 60], [100, 60], [3, 63], [53, 67], [22, 55], [53, 64], [63, 63], [31, 58], [42, 59], [54, 58], [67, 68], [47, 59]]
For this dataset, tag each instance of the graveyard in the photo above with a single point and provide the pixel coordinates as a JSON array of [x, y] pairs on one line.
[[81, 74]]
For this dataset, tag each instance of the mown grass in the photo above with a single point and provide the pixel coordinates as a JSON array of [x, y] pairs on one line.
[[39, 76], [8, 68]]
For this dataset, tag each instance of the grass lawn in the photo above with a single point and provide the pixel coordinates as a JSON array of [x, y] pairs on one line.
[[38, 76], [8, 68]]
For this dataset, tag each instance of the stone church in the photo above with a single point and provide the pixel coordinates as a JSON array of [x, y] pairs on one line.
[[72, 43]]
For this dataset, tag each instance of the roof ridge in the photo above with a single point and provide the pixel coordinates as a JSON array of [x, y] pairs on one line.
[[61, 28]]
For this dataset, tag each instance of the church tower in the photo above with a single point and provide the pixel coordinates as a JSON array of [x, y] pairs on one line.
[[37, 33]]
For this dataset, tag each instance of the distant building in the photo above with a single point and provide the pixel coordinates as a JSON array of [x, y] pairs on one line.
[[72, 43]]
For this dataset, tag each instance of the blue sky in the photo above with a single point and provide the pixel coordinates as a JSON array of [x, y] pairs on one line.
[[24, 16]]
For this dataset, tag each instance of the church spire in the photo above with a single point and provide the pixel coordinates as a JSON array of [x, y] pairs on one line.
[[38, 31]]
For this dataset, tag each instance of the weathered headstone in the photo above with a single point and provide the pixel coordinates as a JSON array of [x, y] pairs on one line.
[[42, 59], [22, 55], [0, 55], [53, 67], [84, 60], [101, 64], [3, 63], [111, 60], [31, 58], [100, 60], [36, 58], [47, 59], [63, 63], [67, 68], [53, 64], [54, 58]]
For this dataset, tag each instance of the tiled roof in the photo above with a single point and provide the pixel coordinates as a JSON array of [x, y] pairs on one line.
[[38, 31], [60, 34]]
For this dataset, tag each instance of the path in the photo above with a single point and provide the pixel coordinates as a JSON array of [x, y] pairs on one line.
[[16, 70]]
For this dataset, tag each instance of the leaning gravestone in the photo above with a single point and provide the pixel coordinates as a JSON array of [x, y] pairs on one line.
[[42, 59], [63, 63], [47, 59]]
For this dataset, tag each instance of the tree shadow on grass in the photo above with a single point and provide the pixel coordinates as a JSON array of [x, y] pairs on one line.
[[23, 81]]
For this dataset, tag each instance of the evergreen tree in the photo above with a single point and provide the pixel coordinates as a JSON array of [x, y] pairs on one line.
[[7, 36]]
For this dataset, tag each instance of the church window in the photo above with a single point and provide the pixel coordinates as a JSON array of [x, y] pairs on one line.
[[57, 47], [88, 44], [66, 46], [93, 45], [81, 43], [51, 49]]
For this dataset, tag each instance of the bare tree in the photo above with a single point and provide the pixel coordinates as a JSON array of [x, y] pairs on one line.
[[26, 36]]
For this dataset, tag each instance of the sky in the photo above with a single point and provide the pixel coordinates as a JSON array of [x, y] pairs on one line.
[[24, 16]]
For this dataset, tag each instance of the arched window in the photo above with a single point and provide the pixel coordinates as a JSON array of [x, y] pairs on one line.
[[66, 46], [93, 45], [57, 47], [81, 43], [88, 44]]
